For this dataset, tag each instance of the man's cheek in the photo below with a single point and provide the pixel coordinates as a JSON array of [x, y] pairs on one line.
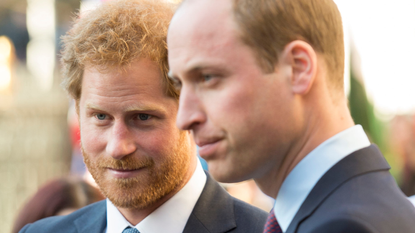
[[91, 141]]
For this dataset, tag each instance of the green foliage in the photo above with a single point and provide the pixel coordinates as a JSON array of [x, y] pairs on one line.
[[363, 113]]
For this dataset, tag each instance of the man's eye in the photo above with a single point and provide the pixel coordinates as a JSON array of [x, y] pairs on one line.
[[144, 117], [101, 116], [177, 84], [207, 77]]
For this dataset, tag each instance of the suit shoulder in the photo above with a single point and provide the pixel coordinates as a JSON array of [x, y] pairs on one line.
[[248, 217], [365, 202], [61, 223], [50, 224], [341, 224]]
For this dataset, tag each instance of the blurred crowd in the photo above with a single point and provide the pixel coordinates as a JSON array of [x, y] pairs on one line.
[[402, 138], [59, 196]]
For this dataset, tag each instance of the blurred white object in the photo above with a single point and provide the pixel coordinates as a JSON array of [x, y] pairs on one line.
[[412, 199], [89, 5], [5, 62], [41, 52], [386, 47]]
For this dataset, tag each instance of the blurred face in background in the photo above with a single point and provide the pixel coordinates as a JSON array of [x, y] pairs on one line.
[[130, 142]]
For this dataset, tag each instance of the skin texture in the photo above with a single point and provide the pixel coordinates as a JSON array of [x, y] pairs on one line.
[[248, 123], [130, 142]]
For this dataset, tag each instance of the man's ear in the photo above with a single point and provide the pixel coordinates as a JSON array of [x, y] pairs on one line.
[[302, 59]]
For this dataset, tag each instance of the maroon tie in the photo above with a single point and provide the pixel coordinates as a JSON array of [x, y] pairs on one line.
[[272, 225]]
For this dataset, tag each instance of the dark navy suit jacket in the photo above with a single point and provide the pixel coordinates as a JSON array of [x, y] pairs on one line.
[[215, 212], [357, 195]]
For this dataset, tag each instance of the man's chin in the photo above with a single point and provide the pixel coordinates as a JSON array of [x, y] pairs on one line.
[[129, 198], [131, 203], [224, 173]]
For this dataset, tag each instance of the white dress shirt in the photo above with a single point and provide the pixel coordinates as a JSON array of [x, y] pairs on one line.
[[170, 217], [309, 170], [412, 199]]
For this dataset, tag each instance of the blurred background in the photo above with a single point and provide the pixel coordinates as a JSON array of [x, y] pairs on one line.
[[39, 139]]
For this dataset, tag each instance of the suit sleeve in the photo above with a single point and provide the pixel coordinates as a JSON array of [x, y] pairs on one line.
[[344, 225]]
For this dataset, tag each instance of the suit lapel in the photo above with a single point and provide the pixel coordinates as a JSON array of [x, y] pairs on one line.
[[362, 161], [213, 212], [94, 220]]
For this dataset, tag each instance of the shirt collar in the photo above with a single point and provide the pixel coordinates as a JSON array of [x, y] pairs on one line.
[[115, 220], [311, 168], [174, 213]]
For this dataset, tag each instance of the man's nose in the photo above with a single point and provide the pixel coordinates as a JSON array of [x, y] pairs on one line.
[[121, 141], [191, 111]]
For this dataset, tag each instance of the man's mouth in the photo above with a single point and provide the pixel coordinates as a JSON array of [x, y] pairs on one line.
[[125, 173], [208, 147]]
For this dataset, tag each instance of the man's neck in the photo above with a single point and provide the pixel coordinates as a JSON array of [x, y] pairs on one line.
[[318, 128]]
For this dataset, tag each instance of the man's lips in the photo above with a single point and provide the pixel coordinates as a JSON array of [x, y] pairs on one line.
[[124, 173], [208, 147]]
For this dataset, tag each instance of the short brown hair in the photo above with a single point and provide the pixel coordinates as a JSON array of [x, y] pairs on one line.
[[115, 34], [267, 26]]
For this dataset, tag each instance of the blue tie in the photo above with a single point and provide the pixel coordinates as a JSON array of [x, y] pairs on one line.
[[130, 230]]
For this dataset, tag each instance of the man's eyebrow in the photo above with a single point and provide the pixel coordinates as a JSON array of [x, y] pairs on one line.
[[198, 67], [147, 108], [92, 106], [133, 108], [190, 70]]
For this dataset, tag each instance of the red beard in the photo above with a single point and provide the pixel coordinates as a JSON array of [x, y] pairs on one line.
[[153, 183]]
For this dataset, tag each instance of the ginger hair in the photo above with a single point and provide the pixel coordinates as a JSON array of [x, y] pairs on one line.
[[113, 35]]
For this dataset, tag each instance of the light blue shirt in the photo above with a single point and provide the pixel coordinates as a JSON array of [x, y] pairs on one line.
[[305, 175]]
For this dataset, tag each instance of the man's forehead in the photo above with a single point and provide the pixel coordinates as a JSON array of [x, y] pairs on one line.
[[201, 19], [200, 31], [111, 66], [141, 78]]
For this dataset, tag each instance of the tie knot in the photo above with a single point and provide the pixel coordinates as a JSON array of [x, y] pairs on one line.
[[272, 225], [130, 230]]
